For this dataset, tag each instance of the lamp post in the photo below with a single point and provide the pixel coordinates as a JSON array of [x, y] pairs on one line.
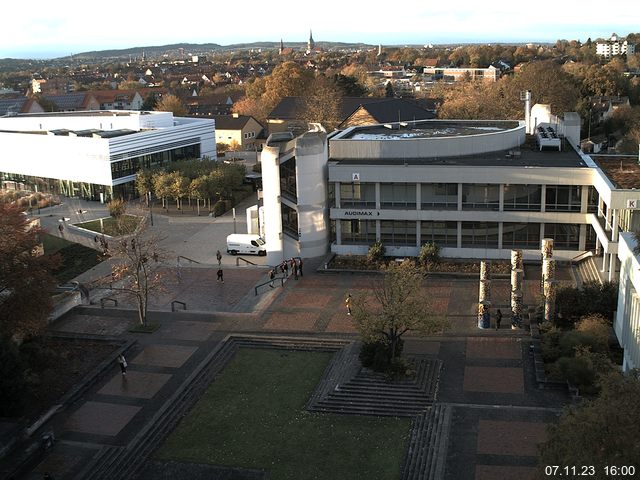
[[150, 208]]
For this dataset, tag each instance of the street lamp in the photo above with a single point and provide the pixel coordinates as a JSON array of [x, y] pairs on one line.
[[149, 202]]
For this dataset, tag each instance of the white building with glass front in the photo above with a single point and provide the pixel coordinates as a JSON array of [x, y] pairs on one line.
[[96, 154]]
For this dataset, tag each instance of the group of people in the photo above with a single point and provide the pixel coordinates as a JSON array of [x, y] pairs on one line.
[[294, 264]]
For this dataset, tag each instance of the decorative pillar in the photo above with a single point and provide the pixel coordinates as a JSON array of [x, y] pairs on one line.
[[484, 295], [547, 248], [550, 287], [516, 309], [517, 275], [548, 269], [516, 260]]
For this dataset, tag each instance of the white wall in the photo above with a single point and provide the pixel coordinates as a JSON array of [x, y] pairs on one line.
[[627, 321], [271, 198]]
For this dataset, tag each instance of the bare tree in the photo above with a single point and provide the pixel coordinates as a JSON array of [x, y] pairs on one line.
[[139, 268]]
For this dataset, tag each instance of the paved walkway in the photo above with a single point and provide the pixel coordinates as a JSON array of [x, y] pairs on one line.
[[499, 413]]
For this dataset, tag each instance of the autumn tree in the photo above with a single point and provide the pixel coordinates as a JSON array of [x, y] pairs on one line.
[[138, 270], [171, 103], [599, 432], [26, 282], [322, 104], [398, 306]]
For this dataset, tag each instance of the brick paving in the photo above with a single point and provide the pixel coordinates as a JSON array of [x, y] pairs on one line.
[[487, 378]]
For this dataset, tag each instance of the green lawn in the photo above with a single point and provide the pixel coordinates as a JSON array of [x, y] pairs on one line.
[[253, 416], [76, 259], [111, 226]]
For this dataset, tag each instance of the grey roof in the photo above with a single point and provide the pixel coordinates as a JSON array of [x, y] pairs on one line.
[[12, 105], [71, 101], [229, 122], [382, 109]]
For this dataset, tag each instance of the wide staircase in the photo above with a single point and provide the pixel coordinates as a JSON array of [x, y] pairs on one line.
[[585, 270], [347, 388]]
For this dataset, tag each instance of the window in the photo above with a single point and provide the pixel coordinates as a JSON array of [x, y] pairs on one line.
[[443, 196], [361, 232], [563, 198], [398, 195], [565, 237], [480, 196], [288, 187], [361, 195], [523, 197], [592, 201], [443, 234], [289, 221], [398, 232], [479, 235], [521, 235]]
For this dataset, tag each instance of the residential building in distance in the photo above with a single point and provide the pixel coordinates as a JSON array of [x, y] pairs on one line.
[[13, 106], [614, 46], [96, 154], [489, 74], [241, 129]]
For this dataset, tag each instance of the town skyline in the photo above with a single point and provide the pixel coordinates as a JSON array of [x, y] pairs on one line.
[[44, 34]]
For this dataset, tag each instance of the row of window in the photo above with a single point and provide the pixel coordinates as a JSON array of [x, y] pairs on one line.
[[444, 196], [124, 168], [473, 234]]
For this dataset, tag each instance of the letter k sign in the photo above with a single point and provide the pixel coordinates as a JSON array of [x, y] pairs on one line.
[[355, 177]]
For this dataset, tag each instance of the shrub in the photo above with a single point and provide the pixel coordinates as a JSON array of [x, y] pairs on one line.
[[551, 345], [219, 208], [377, 355], [575, 303], [399, 368], [429, 254], [116, 207], [12, 379], [597, 327], [376, 252], [573, 339], [577, 371]]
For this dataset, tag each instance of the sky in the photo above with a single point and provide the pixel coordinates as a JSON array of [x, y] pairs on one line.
[[45, 29]]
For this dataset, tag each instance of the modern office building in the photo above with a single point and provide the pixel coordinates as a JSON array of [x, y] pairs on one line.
[[96, 154]]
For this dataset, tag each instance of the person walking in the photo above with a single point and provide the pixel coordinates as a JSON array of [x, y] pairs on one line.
[[61, 228], [300, 266], [347, 302], [498, 319], [219, 257], [220, 275], [272, 275], [295, 268], [123, 364], [285, 268]]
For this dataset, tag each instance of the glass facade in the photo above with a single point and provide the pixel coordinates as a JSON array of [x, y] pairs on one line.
[[290, 221], [398, 195], [398, 232], [129, 166], [520, 235], [359, 195], [563, 198], [439, 196], [480, 196], [443, 234], [523, 197], [358, 232], [479, 235], [565, 236], [288, 186]]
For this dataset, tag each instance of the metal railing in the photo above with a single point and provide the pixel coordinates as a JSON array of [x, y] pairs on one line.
[[186, 258], [249, 262], [108, 299], [178, 302], [281, 278]]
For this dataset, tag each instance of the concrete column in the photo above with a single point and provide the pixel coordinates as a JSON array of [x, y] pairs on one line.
[[418, 235], [598, 245], [378, 230], [459, 201], [608, 223], [501, 197], [272, 206], [613, 261], [485, 270], [584, 200], [377, 196], [582, 239], [459, 239], [336, 193], [543, 198], [418, 196], [547, 248], [615, 218], [338, 231], [500, 232], [516, 260], [605, 257]]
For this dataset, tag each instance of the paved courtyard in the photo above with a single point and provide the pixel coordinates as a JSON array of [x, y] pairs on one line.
[[499, 413]]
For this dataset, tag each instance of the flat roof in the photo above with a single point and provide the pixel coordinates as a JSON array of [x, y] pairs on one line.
[[86, 113], [429, 129], [622, 170], [528, 155]]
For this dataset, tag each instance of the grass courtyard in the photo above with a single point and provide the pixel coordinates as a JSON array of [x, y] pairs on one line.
[[253, 416], [114, 227], [76, 259]]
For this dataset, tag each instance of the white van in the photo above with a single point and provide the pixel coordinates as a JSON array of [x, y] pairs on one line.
[[246, 243]]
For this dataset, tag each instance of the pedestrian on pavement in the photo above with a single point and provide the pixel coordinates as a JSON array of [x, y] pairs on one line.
[[95, 238], [61, 228], [220, 275], [300, 266], [295, 268], [285, 268], [347, 302], [123, 364], [219, 257], [272, 275], [498, 319]]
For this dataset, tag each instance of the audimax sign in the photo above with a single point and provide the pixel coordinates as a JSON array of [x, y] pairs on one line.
[[361, 213]]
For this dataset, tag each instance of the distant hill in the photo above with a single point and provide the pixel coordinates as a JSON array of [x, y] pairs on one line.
[[203, 48]]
